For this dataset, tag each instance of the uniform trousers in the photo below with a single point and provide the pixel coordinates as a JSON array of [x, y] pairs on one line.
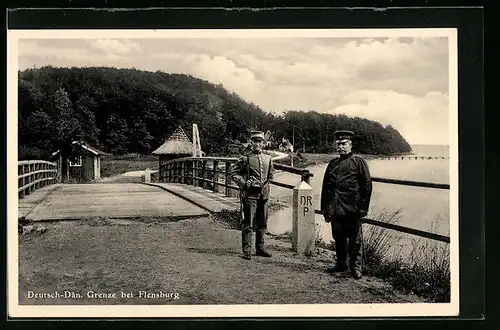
[[254, 219], [348, 235]]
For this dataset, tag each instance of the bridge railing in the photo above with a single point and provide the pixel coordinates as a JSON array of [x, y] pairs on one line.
[[214, 173], [35, 174]]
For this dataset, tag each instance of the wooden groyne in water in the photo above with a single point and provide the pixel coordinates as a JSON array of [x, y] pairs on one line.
[[410, 157]]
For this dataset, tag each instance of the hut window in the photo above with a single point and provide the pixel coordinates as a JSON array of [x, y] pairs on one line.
[[77, 162]]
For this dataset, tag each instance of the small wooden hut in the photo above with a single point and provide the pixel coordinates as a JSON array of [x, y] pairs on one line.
[[83, 165]]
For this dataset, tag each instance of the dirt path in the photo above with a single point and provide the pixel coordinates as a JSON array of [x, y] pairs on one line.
[[127, 177], [198, 259]]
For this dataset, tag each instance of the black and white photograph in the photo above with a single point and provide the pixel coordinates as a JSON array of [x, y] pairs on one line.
[[233, 173]]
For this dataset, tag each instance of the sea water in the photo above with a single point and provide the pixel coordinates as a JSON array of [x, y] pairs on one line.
[[426, 209]]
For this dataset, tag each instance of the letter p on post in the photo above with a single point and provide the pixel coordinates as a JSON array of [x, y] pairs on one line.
[[303, 219]]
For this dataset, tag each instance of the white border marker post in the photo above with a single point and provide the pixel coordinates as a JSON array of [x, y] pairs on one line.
[[303, 221], [147, 175]]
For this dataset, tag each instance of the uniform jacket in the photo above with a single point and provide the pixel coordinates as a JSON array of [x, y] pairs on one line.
[[347, 187], [259, 169]]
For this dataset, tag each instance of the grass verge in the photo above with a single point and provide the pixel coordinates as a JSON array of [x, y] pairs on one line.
[[426, 272], [113, 165], [421, 266]]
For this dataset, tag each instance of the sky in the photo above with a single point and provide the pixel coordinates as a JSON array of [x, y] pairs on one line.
[[397, 81]]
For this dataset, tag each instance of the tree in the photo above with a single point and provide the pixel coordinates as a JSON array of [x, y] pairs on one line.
[[40, 131], [140, 139], [128, 110], [158, 119], [117, 134], [68, 128], [85, 114], [30, 100]]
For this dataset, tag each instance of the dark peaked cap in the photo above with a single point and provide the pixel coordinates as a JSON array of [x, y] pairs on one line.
[[257, 135], [343, 135]]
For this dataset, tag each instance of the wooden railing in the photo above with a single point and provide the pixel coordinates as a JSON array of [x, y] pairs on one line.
[[214, 173], [34, 174]]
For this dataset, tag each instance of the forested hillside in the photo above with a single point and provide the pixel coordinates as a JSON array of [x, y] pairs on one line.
[[127, 110]]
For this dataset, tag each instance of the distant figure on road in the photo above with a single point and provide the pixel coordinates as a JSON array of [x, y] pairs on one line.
[[285, 146], [345, 199], [252, 173]]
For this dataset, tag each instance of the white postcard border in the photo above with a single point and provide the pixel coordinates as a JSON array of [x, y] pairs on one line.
[[222, 311]]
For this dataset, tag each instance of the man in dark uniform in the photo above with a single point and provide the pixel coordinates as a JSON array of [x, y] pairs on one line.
[[345, 199], [252, 173]]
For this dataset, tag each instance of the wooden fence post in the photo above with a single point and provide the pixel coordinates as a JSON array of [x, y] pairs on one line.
[[32, 168], [42, 175], [35, 176], [195, 173], [215, 179], [204, 174], [179, 172], [170, 173], [183, 172], [26, 178], [191, 173], [306, 177], [176, 171], [228, 180], [20, 171], [160, 171]]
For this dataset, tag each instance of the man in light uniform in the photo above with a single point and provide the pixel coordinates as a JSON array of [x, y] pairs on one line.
[[345, 199], [253, 173]]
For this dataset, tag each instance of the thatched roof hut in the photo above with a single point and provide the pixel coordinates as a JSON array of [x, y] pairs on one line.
[[176, 146]]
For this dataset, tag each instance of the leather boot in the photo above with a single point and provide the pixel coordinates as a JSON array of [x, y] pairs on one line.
[[246, 241], [259, 244], [263, 253], [356, 273], [337, 268]]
